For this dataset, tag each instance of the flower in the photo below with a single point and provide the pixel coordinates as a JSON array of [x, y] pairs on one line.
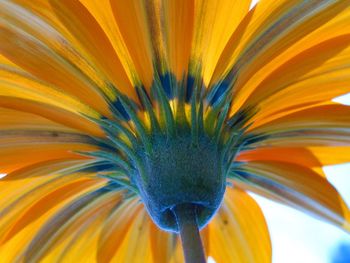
[[118, 117]]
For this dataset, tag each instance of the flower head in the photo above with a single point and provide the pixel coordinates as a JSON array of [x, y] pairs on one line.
[[120, 117]]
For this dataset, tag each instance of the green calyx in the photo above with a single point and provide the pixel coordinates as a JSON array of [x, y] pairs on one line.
[[178, 172], [179, 152]]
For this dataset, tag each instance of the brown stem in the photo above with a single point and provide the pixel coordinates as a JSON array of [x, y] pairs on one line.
[[191, 241]]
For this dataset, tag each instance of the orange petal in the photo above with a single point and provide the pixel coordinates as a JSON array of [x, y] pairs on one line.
[[324, 124], [131, 18], [81, 23], [67, 222], [292, 27], [166, 247], [45, 63], [327, 60], [116, 228], [179, 19], [214, 23], [52, 113], [238, 232], [45, 202], [309, 156], [296, 186], [135, 246], [302, 156], [23, 196]]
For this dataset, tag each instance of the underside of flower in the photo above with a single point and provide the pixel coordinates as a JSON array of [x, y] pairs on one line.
[[177, 148], [121, 119]]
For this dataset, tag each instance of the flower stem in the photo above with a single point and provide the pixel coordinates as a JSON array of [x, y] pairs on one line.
[[191, 241]]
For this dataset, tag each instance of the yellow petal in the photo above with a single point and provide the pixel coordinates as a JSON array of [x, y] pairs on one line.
[[215, 21], [26, 139], [17, 83], [320, 120], [179, 19], [268, 42], [302, 156], [81, 23], [135, 246], [22, 195], [296, 186], [166, 247], [308, 92], [319, 73], [101, 10], [18, 120], [84, 233], [45, 202], [331, 155], [68, 221], [132, 20], [312, 157], [28, 51], [52, 113], [238, 232], [116, 228]]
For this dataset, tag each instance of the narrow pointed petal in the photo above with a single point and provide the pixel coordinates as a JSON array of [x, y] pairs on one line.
[[215, 21], [296, 186], [18, 224], [309, 156], [116, 229], [50, 113], [179, 19], [70, 218], [132, 20], [265, 43], [314, 75], [45, 60], [302, 156], [314, 126], [91, 35], [238, 233]]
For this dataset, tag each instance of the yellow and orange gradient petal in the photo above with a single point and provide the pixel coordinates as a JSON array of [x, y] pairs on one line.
[[65, 63]]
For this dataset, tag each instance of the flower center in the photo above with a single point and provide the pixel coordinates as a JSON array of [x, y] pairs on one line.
[[172, 151], [177, 171]]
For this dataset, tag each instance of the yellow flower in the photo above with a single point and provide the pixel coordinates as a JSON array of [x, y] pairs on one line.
[[120, 119]]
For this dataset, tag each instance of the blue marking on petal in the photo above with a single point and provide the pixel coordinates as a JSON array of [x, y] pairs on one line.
[[111, 186], [99, 167], [218, 92], [121, 110], [189, 87], [166, 81]]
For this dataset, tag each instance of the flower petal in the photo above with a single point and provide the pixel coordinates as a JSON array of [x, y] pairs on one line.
[[215, 22], [92, 37], [43, 52], [317, 74], [132, 20], [166, 247], [315, 126], [238, 233], [179, 20], [116, 228], [52, 113], [302, 156], [18, 223], [67, 222], [269, 42], [27, 139], [45, 202], [296, 186], [309, 156]]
